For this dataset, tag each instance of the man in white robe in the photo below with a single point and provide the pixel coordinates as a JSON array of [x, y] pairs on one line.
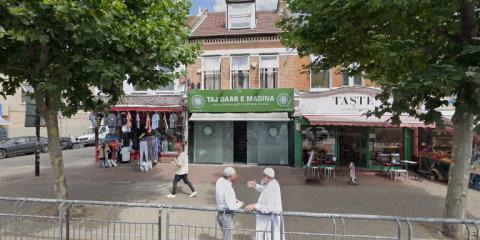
[[269, 203]]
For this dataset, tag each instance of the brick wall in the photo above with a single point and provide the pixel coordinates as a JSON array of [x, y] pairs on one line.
[[292, 72]]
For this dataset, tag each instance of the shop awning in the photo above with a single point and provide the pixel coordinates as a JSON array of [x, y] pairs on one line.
[[363, 121], [266, 117], [146, 108]]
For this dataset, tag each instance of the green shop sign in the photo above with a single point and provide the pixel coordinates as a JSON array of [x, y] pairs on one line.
[[241, 100]]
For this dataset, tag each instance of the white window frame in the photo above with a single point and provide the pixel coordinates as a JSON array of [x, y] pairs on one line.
[[351, 81], [203, 71], [260, 69], [251, 14], [231, 70], [330, 81]]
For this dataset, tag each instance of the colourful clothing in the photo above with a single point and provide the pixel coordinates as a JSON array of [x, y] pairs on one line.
[[155, 120]]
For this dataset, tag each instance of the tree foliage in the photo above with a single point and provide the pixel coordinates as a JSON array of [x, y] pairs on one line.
[[67, 47], [421, 53], [416, 51]]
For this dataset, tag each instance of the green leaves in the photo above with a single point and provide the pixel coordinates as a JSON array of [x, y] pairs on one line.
[[75, 46], [410, 48]]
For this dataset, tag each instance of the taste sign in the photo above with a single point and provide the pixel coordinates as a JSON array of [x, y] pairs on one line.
[[342, 101], [354, 100]]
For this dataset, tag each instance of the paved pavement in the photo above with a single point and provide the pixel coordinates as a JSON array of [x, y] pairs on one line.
[[374, 195]]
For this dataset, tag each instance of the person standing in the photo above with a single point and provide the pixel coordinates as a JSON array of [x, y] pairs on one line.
[[227, 202], [181, 173], [269, 203]]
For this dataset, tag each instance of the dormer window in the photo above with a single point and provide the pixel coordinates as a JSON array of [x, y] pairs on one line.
[[240, 14]]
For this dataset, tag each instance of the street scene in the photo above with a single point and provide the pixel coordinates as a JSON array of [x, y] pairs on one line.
[[239, 119]]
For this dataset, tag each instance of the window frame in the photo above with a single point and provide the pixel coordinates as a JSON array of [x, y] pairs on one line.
[[219, 70], [260, 70], [232, 84], [251, 15], [351, 81], [330, 82]]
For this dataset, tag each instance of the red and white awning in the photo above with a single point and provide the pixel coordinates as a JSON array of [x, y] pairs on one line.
[[363, 121]]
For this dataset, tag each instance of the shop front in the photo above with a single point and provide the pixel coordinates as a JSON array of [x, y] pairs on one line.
[[149, 127], [250, 126], [333, 124]]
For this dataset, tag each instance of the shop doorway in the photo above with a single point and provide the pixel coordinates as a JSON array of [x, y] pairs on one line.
[[353, 145], [240, 142]]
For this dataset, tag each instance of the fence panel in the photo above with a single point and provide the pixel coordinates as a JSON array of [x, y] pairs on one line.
[[22, 218]]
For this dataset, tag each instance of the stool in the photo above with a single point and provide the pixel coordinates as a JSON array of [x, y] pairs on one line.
[[399, 174], [329, 172]]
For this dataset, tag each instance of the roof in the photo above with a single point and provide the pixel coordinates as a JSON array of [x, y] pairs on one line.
[[214, 26]]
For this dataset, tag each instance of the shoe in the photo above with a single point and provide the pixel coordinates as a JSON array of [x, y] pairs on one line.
[[171, 196], [193, 194]]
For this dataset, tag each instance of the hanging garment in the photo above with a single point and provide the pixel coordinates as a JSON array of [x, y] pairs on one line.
[[173, 120], [119, 120], [137, 120], [111, 120], [159, 146], [129, 122], [152, 149], [148, 124], [93, 119], [155, 120], [143, 151], [165, 145], [165, 120]]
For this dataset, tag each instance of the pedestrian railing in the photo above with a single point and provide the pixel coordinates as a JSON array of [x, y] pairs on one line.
[[32, 218]]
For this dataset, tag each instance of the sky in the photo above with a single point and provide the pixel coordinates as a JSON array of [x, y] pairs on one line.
[[219, 5]]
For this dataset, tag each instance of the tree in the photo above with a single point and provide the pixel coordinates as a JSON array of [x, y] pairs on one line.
[[68, 49], [419, 52]]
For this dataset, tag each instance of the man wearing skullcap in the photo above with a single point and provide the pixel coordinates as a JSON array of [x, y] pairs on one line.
[[227, 202], [269, 204]]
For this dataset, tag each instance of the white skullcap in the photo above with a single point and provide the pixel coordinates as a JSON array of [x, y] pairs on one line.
[[229, 171], [269, 172]]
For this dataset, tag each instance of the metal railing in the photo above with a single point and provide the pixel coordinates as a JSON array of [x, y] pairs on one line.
[[33, 218]]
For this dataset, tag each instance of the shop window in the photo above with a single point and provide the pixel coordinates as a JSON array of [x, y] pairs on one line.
[[387, 145], [240, 72], [320, 79], [322, 141], [269, 71], [211, 73], [241, 16]]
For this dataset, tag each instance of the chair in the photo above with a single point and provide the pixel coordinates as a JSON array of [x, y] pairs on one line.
[[329, 172], [399, 174]]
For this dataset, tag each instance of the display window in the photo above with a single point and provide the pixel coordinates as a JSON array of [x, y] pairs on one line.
[[387, 145], [322, 141]]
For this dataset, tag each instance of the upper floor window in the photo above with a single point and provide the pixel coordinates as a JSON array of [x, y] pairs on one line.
[[240, 72], [241, 16], [211, 73], [355, 80], [319, 79], [269, 71]]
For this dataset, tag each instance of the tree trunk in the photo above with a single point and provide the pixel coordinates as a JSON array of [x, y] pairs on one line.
[[47, 105], [457, 192]]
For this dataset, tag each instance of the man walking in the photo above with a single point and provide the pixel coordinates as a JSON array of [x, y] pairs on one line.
[[227, 202], [181, 173], [269, 203]]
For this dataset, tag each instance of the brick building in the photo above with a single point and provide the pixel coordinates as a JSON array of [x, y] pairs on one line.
[[241, 57]]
